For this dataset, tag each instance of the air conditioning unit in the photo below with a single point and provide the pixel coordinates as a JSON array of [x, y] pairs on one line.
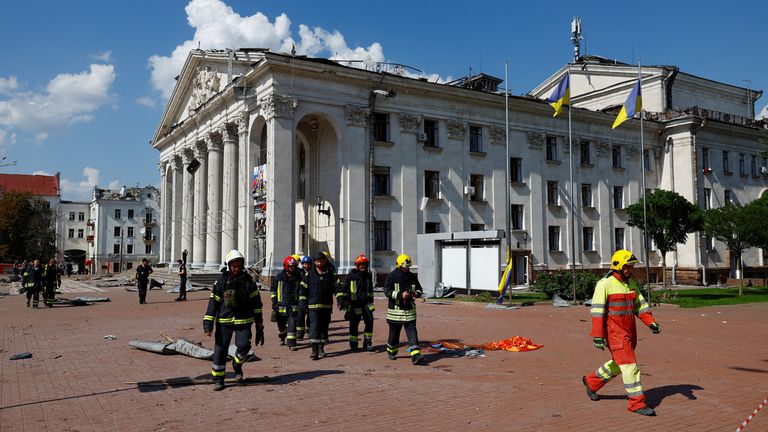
[[421, 136], [469, 190]]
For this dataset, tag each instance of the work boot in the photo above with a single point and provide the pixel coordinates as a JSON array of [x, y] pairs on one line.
[[391, 355], [592, 395], [238, 370], [321, 350], [28, 305], [368, 346], [314, 355], [218, 385], [354, 347], [178, 299], [646, 411], [417, 359], [293, 348], [282, 342]]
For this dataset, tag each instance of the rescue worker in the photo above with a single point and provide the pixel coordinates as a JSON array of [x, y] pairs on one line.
[[319, 285], [356, 297], [616, 302], [402, 288], [302, 318], [143, 271], [32, 283], [234, 305], [51, 281], [285, 301], [182, 279]]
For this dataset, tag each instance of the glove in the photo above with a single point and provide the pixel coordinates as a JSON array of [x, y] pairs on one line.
[[259, 339], [273, 316], [655, 328], [599, 343]]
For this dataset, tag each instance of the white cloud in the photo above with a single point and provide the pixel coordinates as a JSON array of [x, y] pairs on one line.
[[9, 84], [82, 190], [218, 26], [105, 56], [69, 98], [43, 173], [763, 113], [147, 102]]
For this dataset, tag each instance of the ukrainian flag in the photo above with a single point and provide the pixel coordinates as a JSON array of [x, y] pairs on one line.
[[634, 104], [505, 277], [561, 95]]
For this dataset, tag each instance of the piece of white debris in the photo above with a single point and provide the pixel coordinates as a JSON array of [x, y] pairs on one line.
[[110, 337]]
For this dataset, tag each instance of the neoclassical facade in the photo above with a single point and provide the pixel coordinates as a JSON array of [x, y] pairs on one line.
[[274, 154]]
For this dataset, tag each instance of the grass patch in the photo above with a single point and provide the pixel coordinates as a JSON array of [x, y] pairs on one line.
[[711, 296], [488, 297]]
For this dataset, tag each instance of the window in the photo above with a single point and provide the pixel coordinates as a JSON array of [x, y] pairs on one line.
[[71, 233], [586, 195], [742, 165], [432, 184], [618, 197], [554, 238], [80, 233], [726, 163], [148, 249], [117, 213], [130, 232], [476, 182], [515, 170], [476, 227], [430, 128], [646, 160], [382, 234], [551, 148], [476, 139], [148, 234], [516, 215], [616, 153], [130, 213], [707, 198], [381, 181], [618, 238], [705, 158], [431, 227], [587, 238], [148, 217], [72, 216], [117, 231], [81, 216], [727, 197], [753, 165], [586, 157], [301, 184], [116, 249], [709, 243], [381, 127], [129, 249], [552, 198]]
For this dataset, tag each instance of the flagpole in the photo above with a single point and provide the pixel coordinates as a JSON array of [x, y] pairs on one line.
[[645, 204], [570, 168], [508, 183]]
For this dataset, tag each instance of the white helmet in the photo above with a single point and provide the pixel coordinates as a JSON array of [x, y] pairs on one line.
[[232, 255]]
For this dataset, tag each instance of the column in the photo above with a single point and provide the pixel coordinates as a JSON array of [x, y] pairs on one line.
[[187, 205], [355, 189], [230, 179], [244, 200], [201, 190], [176, 215], [163, 227], [213, 254]]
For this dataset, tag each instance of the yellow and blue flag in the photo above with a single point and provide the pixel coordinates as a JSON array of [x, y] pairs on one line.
[[561, 96], [634, 104], [505, 277]]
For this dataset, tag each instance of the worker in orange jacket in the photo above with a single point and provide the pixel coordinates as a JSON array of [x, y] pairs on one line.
[[616, 302]]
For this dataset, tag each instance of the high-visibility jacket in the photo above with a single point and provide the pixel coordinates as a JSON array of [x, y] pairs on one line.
[[357, 290], [614, 307], [318, 288], [33, 277], [52, 276], [285, 295], [233, 301], [398, 282]]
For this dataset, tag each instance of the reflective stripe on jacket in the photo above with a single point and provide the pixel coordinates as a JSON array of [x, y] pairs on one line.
[[614, 307], [398, 282]]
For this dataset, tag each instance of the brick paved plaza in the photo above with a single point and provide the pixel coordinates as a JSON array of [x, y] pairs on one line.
[[706, 371]]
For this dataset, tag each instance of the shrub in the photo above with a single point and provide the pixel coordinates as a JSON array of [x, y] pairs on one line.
[[560, 283]]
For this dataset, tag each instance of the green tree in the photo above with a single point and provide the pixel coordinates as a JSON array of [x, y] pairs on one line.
[[760, 230], [26, 228], [735, 226], [670, 218]]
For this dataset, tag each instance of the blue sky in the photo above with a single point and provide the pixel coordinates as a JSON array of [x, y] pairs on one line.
[[83, 83]]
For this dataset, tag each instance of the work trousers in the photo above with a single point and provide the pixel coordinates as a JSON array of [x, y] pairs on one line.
[[142, 285], [355, 314], [394, 336], [49, 294], [222, 337], [302, 322], [319, 319], [183, 287], [33, 294], [622, 363]]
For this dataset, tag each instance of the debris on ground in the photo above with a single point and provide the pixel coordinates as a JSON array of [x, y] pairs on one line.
[[558, 301], [190, 288], [61, 301], [174, 382], [115, 282], [500, 306], [91, 299], [184, 347], [21, 356], [110, 337], [457, 348]]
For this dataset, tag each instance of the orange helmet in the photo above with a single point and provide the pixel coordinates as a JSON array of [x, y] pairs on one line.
[[360, 260], [288, 262]]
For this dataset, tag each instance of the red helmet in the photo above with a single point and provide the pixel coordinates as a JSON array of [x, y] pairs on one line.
[[360, 260], [289, 261]]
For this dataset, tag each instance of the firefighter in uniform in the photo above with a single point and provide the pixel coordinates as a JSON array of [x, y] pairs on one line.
[[32, 282], [319, 285], [234, 305], [51, 281], [356, 297], [302, 319], [616, 302], [285, 301], [402, 288], [143, 271]]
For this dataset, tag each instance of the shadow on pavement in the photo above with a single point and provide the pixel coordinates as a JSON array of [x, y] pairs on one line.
[[67, 398], [160, 385], [748, 369], [655, 395]]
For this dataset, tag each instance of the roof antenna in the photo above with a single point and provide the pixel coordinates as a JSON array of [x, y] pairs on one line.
[[198, 45], [576, 38]]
